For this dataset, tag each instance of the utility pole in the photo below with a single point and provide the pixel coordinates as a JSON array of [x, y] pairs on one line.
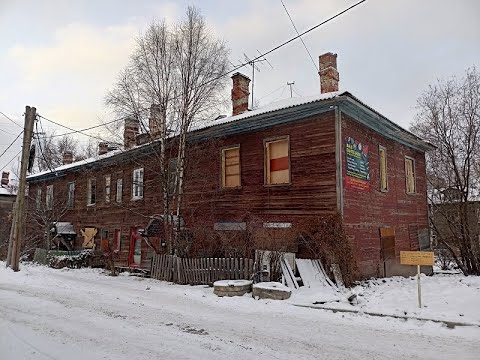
[[291, 84], [16, 235]]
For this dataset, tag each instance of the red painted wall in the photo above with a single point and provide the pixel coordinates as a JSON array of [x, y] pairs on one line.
[[365, 212]]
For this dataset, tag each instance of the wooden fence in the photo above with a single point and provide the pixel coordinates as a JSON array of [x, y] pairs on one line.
[[200, 271]]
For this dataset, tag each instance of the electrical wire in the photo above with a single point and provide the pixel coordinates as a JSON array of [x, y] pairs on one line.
[[73, 131], [7, 132], [272, 92], [9, 146], [4, 166], [20, 126], [81, 130], [303, 42], [40, 144]]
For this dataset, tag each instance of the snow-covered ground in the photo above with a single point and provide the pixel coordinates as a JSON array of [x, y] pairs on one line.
[[84, 314], [446, 297]]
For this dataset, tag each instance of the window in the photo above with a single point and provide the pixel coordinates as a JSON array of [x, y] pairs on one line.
[[38, 200], [117, 240], [137, 186], [49, 199], [382, 155], [104, 240], [410, 175], [119, 194], [277, 162], [70, 194], [91, 192], [108, 180], [231, 167], [172, 171]]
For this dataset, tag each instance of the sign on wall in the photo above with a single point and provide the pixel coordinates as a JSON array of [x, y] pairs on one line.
[[357, 165]]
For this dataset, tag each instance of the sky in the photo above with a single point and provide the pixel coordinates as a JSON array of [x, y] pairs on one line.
[[62, 56]]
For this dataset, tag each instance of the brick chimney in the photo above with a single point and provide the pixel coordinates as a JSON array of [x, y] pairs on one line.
[[329, 76], [67, 157], [154, 121], [102, 148], [130, 132], [240, 93], [5, 176]]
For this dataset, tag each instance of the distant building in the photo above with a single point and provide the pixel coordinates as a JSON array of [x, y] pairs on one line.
[[7, 200]]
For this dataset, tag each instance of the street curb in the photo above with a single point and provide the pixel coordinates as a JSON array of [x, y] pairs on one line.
[[448, 324]]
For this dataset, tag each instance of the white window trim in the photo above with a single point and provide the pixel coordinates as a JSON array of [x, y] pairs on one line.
[[138, 185], [89, 191], [380, 147], [38, 200], [72, 205], [414, 176], [108, 186], [49, 198], [119, 191]]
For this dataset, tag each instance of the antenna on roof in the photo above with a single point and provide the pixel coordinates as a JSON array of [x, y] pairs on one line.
[[252, 63]]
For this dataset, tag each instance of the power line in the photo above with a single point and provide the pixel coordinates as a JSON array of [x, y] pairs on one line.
[[3, 167], [13, 142], [20, 126], [303, 42], [73, 131], [7, 132], [40, 144], [81, 130], [76, 131]]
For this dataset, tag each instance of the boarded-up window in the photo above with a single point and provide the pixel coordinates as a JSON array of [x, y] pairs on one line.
[[410, 175], [92, 192], [231, 167], [277, 162], [382, 154], [49, 199], [118, 195]]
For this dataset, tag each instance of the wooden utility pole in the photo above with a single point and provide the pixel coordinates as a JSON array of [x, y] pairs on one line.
[[16, 235]]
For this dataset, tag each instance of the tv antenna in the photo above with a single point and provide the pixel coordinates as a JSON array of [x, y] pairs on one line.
[[252, 63], [291, 84]]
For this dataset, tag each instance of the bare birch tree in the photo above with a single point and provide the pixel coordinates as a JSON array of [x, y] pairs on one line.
[[174, 79], [449, 118]]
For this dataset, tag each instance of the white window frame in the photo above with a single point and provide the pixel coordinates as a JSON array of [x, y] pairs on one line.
[[224, 167], [38, 200], [49, 197], [137, 184], [89, 192], [71, 195], [384, 149], [119, 193], [108, 188], [408, 158]]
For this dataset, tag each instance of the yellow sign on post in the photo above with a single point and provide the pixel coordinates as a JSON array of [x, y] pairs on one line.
[[418, 258], [424, 258]]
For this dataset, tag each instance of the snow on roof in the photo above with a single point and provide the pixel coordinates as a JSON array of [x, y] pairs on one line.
[[275, 106], [278, 105], [7, 191]]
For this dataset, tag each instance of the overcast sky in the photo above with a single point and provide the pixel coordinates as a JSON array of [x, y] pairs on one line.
[[62, 56]]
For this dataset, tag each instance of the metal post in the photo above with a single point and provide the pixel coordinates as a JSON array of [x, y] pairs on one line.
[[419, 288]]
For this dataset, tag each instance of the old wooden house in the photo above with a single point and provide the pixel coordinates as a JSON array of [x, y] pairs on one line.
[[282, 162]]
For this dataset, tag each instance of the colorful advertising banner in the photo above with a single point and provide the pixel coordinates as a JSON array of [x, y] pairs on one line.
[[357, 165]]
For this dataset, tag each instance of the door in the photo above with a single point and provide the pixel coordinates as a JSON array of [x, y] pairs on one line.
[[387, 249], [135, 248]]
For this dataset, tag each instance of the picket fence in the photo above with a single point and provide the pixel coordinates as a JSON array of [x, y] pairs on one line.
[[200, 271]]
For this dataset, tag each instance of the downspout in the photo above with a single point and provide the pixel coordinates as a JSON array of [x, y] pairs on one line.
[[338, 159]]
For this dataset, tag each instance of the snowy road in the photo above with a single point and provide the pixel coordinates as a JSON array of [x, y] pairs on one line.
[[83, 314]]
